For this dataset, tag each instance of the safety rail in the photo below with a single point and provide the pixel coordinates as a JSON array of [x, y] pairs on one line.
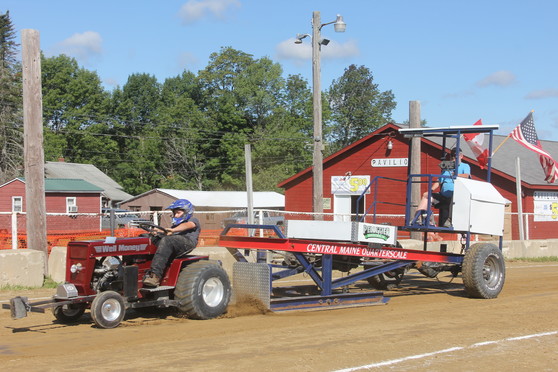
[[375, 201]]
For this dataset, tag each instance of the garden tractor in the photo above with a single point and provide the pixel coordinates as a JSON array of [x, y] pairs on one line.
[[106, 277]]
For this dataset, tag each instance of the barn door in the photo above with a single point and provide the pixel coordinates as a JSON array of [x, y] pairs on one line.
[[347, 205], [342, 205]]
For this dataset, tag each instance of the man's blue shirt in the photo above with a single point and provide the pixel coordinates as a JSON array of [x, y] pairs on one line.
[[446, 182]]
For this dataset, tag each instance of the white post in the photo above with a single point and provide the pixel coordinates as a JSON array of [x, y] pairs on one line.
[[527, 225], [155, 218], [14, 230], [260, 221], [249, 187], [519, 202]]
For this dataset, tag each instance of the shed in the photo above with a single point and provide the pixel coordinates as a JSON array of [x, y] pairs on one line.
[[112, 194], [159, 199], [64, 196]]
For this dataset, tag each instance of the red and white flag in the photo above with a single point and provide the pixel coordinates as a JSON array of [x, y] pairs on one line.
[[526, 135], [549, 167], [475, 142]]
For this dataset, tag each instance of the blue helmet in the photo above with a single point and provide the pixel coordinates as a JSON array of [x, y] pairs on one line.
[[186, 206]]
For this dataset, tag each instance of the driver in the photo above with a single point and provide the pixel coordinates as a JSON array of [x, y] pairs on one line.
[[180, 239]]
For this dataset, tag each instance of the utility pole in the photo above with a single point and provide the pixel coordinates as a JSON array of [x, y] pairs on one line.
[[414, 122], [317, 162], [317, 165], [33, 143]]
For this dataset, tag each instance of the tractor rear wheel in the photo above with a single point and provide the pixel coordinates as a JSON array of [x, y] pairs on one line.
[[108, 309], [68, 313], [203, 290], [483, 270]]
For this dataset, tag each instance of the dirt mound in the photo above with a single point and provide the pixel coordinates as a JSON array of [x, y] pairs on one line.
[[245, 306]]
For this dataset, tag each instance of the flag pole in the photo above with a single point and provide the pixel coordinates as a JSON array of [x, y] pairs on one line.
[[501, 143]]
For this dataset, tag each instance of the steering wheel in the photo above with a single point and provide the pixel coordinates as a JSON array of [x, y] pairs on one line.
[[150, 228]]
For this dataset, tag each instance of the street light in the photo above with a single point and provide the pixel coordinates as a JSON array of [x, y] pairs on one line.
[[317, 164]]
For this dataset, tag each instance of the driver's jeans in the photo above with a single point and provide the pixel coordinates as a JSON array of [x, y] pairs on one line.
[[168, 248]]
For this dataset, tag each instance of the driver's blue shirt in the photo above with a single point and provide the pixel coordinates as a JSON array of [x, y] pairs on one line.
[[446, 182]]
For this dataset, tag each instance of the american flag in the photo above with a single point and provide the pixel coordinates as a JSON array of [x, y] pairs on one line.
[[526, 135]]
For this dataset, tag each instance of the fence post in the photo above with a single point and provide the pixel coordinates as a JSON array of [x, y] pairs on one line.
[[14, 230]]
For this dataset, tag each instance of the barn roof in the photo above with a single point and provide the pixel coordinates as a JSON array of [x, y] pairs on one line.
[[65, 185], [89, 173], [225, 199], [503, 160]]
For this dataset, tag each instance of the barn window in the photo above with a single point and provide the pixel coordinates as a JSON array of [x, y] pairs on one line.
[[17, 204], [71, 205]]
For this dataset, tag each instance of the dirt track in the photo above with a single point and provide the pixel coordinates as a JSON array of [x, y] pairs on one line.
[[426, 324]]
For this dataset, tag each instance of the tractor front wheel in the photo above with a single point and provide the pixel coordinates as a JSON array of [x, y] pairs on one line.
[[483, 270], [108, 309], [203, 290]]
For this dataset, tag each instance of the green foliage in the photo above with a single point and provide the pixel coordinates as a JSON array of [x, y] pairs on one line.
[[11, 118], [47, 283], [189, 131], [358, 106]]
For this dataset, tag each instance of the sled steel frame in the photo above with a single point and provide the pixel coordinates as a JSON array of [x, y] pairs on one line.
[[323, 276]]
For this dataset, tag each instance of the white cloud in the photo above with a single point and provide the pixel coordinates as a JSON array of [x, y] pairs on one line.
[[186, 60], [194, 10], [81, 46], [288, 50], [499, 78], [110, 82], [542, 93]]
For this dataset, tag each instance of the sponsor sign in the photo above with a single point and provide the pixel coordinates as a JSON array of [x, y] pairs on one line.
[[373, 233], [349, 185], [545, 205], [120, 248], [396, 254]]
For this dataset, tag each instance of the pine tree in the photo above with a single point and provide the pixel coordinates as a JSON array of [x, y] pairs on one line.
[[11, 120]]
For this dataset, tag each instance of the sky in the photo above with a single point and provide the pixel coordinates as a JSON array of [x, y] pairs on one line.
[[463, 61]]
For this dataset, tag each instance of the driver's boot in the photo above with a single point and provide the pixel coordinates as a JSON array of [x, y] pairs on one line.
[[151, 280]]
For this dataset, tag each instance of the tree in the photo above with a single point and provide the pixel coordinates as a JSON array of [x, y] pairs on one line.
[[184, 127], [11, 119], [135, 127], [358, 107], [284, 146], [75, 112], [240, 97]]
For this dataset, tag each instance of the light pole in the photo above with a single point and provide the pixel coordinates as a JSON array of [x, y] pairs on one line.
[[317, 163]]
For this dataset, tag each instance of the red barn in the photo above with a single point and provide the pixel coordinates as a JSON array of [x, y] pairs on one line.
[[65, 196], [384, 153]]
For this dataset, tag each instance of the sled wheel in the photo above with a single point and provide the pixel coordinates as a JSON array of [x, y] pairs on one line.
[[68, 313], [203, 290], [389, 279], [108, 309], [377, 281], [483, 271]]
